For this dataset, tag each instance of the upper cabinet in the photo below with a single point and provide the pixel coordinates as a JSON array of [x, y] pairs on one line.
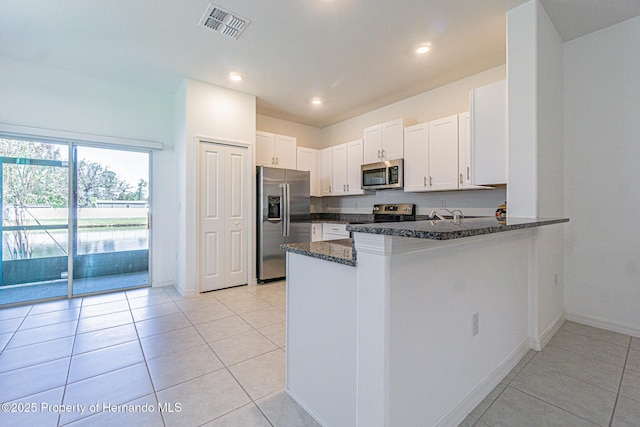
[[489, 134], [431, 155], [326, 171], [275, 150], [443, 153], [385, 141], [346, 160], [307, 160]]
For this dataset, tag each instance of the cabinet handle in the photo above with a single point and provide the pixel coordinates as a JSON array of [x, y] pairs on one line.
[[277, 160], [378, 154], [430, 181], [383, 153], [344, 187], [329, 189], [425, 181], [468, 173], [461, 179], [347, 187], [273, 161]]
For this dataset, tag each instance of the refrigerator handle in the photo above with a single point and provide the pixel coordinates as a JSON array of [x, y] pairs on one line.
[[288, 210], [284, 206]]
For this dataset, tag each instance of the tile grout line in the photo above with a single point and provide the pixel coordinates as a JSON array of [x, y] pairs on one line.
[[227, 367], [615, 403], [146, 364], [66, 380]]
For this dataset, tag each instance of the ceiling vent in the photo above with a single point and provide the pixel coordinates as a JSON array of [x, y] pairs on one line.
[[224, 22]]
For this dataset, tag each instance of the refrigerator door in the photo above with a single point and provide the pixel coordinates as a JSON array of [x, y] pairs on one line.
[[271, 231], [299, 220]]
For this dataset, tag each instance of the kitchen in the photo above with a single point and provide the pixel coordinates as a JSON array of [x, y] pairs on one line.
[[569, 189]]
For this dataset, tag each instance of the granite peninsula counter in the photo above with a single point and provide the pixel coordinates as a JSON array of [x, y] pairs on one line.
[[379, 327]]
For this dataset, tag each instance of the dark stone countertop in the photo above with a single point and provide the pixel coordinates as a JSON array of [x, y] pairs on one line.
[[340, 251], [449, 229]]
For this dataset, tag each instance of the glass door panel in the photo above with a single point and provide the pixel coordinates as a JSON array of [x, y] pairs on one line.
[[110, 230], [34, 225]]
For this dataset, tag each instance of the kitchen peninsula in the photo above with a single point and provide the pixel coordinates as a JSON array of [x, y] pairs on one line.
[[411, 326]]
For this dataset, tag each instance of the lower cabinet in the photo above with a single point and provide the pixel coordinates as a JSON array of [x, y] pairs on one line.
[[316, 231], [332, 231]]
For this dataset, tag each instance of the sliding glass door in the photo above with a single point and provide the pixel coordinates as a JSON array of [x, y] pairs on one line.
[[110, 232], [35, 188], [94, 207]]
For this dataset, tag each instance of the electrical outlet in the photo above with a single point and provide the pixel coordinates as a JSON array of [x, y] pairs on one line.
[[475, 324]]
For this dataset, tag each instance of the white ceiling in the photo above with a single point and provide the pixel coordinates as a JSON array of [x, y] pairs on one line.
[[356, 55]]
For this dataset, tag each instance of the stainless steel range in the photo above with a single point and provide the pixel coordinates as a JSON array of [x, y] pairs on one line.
[[394, 213]]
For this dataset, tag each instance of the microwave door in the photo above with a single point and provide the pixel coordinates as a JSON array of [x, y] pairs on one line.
[[374, 177]]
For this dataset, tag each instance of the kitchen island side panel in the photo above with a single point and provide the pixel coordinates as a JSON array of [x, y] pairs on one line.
[[437, 367], [321, 338]]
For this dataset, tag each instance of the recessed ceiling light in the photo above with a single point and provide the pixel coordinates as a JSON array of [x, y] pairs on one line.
[[422, 50], [316, 101], [235, 77]]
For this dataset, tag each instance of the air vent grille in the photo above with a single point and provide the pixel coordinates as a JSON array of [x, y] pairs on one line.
[[224, 22]]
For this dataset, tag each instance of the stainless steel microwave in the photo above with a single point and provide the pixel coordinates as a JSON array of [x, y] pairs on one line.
[[382, 175]]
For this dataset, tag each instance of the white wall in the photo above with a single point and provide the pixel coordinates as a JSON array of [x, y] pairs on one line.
[[306, 136], [472, 203], [444, 101], [602, 191], [536, 170], [54, 100], [216, 113]]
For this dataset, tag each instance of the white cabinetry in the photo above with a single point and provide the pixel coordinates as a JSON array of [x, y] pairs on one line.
[[385, 141], [275, 150], [316, 231], [307, 160], [339, 160], [431, 155], [326, 171], [443, 153], [416, 162], [334, 231], [347, 159], [464, 152], [489, 134]]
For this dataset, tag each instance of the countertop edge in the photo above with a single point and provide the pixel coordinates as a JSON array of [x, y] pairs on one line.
[[465, 228], [324, 252]]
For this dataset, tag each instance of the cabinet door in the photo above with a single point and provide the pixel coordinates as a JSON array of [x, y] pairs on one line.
[[285, 152], [316, 232], [326, 171], [340, 169], [489, 134], [393, 140], [416, 166], [372, 144], [307, 160], [443, 153], [264, 149], [464, 150], [354, 161]]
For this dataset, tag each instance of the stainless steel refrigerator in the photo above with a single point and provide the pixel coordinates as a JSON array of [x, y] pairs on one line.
[[283, 217]]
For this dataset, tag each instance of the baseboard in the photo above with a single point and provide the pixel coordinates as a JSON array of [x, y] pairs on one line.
[[538, 343], [598, 322], [305, 407], [482, 390], [162, 284]]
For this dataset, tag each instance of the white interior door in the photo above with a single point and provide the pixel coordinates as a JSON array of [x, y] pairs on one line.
[[223, 217]]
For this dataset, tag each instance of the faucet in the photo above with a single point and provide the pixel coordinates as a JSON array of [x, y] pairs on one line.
[[456, 214], [434, 213]]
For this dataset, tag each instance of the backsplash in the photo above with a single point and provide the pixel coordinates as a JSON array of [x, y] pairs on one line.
[[471, 202]]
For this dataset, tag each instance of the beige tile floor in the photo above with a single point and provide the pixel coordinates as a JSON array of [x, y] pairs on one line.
[[215, 360], [584, 377], [218, 360]]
